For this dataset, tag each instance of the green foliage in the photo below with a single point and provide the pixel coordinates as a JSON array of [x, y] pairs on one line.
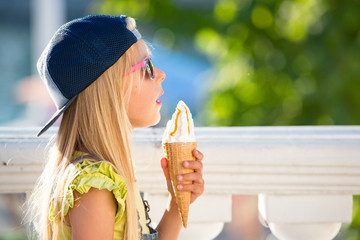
[[278, 62], [352, 231], [13, 235]]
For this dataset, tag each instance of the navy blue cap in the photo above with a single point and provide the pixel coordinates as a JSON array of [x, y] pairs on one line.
[[78, 53]]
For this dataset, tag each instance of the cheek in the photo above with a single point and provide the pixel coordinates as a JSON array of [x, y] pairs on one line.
[[140, 106], [142, 109]]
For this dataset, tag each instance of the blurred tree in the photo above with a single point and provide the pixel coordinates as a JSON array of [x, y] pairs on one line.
[[277, 62]]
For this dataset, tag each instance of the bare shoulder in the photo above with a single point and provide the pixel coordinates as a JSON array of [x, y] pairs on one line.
[[93, 215]]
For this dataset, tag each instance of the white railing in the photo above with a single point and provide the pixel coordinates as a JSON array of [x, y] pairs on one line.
[[304, 176]]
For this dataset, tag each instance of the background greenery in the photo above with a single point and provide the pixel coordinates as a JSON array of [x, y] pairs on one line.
[[277, 62]]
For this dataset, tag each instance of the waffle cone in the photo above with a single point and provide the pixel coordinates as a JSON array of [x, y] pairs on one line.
[[177, 153]]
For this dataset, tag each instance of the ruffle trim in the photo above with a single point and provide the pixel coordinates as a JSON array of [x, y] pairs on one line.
[[100, 175]]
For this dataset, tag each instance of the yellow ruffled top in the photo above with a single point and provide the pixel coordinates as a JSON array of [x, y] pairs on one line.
[[100, 175]]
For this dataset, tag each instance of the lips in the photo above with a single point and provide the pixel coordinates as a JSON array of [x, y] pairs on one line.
[[158, 101]]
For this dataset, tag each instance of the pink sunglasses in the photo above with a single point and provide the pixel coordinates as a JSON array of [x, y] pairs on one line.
[[145, 63]]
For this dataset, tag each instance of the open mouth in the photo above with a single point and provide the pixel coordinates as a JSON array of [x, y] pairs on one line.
[[158, 101]]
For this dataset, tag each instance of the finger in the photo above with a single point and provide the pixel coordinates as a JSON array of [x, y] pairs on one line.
[[164, 166], [196, 165], [164, 163], [198, 155], [196, 189], [193, 177]]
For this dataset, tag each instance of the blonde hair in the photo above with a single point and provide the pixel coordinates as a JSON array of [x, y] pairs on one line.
[[96, 122]]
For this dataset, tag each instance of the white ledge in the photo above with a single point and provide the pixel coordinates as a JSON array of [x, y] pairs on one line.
[[294, 170], [238, 160]]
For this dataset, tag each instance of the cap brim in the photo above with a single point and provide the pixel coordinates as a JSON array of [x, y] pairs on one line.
[[56, 115]]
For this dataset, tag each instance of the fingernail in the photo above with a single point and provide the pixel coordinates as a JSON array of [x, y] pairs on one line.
[[186, 164], [180, 187], [180, 177]]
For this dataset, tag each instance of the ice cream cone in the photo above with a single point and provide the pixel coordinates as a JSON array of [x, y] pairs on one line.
[[177, 153]]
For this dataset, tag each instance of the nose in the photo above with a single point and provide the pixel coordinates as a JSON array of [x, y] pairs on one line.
[[159, 75]]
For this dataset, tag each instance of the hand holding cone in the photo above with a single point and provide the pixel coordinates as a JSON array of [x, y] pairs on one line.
[[176, 154]]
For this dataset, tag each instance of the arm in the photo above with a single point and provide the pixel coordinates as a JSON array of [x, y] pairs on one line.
[[170, 224], [93, 215]]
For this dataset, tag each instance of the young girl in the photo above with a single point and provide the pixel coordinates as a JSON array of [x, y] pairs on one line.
[[99, 73]]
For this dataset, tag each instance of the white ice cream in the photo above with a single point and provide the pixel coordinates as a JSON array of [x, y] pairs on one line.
[[181, 126]]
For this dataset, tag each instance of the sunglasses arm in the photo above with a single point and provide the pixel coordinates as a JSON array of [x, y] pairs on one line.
[[137, 66]]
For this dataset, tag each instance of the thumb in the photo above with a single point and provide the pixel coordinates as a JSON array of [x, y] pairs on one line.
[[165, 168]]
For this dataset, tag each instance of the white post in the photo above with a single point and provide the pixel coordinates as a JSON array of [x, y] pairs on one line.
[[207, 215], [302, 217], [46, 17]]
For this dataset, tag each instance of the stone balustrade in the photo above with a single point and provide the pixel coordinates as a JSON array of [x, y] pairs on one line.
[[305, 176]]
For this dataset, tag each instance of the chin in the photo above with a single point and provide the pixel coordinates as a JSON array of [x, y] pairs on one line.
[[156, 121], [150, 123]]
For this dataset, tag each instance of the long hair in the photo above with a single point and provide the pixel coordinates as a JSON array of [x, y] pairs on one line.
[[96, 122]]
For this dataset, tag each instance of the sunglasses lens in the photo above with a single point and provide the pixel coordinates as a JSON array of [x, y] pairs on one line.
[[150, 69]]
